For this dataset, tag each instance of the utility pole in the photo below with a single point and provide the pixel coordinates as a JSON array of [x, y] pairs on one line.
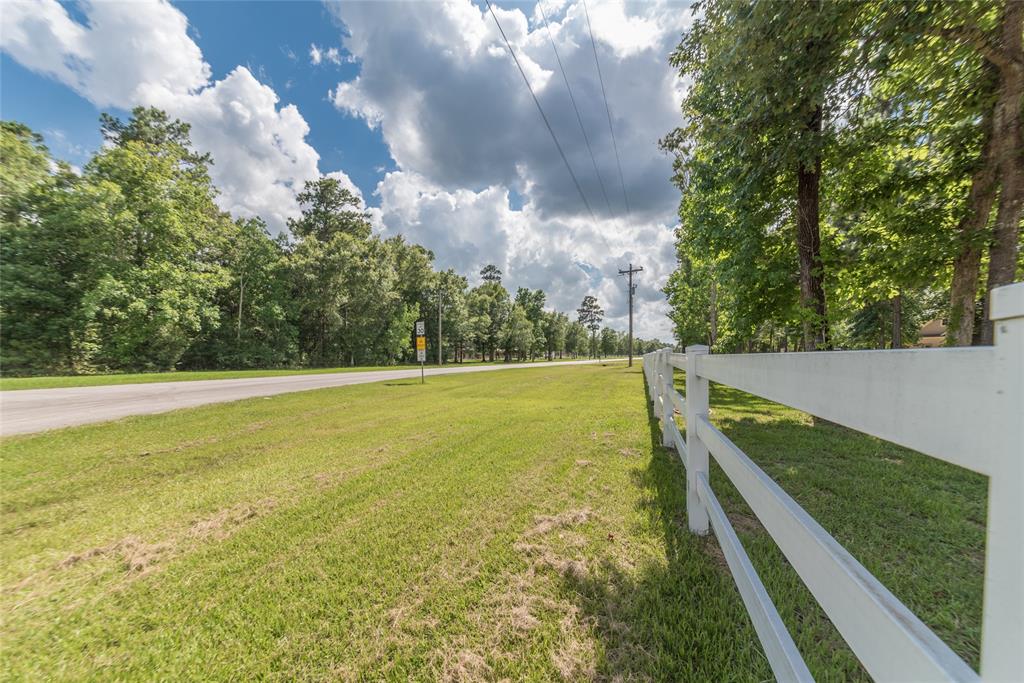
[[440, 356], [632, 290]]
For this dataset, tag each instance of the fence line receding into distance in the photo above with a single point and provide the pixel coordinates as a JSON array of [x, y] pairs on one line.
[[961, 405]]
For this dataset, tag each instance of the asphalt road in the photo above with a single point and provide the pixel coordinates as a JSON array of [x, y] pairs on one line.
[[36, 410]]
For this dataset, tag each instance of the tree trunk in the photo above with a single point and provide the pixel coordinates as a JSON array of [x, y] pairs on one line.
[[897, 321], [713, 322], [967, 264], [241, 295], [1008, 150], [808, 244]]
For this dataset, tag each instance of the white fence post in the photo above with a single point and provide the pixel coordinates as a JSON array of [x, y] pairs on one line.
[[652, 389], [697, 452], [655, 386], [1002, 631], [666, 398]]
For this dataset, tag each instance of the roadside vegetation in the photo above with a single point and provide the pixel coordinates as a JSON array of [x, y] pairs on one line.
[[102, 274], [517, 525], [849, 171]]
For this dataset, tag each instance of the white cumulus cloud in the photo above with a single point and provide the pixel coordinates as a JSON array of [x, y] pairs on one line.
[[567, 257], [128, 53], [140, 53], [437, 80]]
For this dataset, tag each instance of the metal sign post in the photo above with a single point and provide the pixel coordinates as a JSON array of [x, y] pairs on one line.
[[421, 347]]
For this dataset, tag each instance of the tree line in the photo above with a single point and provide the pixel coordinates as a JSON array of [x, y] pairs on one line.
[[129, 265], [849, 170]]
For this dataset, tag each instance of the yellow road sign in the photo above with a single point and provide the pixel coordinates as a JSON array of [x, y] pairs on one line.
[[421, 343]]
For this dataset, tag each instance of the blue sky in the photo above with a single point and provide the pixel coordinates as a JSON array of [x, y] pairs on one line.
[[272, 39], [417, 105]]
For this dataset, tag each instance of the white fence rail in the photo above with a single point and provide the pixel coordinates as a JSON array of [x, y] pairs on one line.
[[963, 405]]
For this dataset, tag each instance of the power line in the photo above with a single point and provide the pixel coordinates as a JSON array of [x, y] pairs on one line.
[[579, 119], [541, 110], [607, 109]]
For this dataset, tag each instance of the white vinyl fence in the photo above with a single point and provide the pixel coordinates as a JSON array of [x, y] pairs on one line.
[[961, 405]]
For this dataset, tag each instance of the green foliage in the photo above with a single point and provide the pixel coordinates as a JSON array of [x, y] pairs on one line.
[[255, 327], [131, 266], [517, 333], [688, 290], [590, 315], [327, 210], [898, 105], [490, 273], [611, 342], [34, 309], [118, 268], [489, 306]]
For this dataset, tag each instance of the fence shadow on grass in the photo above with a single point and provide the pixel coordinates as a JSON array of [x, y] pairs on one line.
[[673, 618], [904, 515]]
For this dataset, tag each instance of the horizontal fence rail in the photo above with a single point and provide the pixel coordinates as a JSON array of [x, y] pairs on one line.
[[964, 406]]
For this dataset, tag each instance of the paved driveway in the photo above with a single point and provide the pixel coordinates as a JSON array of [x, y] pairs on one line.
[[36, 410]]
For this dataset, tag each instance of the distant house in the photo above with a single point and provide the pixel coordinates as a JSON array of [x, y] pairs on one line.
[[932, 334]]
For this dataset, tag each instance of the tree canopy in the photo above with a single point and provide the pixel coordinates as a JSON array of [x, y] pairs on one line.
[[132, 266], [838, 159]]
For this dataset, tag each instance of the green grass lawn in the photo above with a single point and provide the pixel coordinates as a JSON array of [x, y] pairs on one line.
[[498, 525], [58, 381]]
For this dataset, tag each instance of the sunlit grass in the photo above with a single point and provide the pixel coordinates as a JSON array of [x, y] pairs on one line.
[[499, 525], [915, 522]]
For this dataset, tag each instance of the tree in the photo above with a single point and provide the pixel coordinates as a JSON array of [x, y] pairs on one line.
[[44, 249], [610, 341], [449, 290], [256, 328], [885, 135], [985, 40], [317, 272], [590, 315], [154, 278], [490, 273], [517, 333], [490, 302], [770, 83], [158, 132], [353, 290], [532, 303], [576, 339], [329, 209], [557, 327], [131, 266], [690, 289]]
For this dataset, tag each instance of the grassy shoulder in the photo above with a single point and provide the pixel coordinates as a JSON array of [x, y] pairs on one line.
[[60, 381], [497, 525]]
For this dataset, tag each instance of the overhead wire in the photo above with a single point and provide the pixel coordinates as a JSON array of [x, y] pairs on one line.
[[607, 109], [540, 109], [572, 98]]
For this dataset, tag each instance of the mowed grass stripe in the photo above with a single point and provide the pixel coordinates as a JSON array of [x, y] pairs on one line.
[[504, 525]]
